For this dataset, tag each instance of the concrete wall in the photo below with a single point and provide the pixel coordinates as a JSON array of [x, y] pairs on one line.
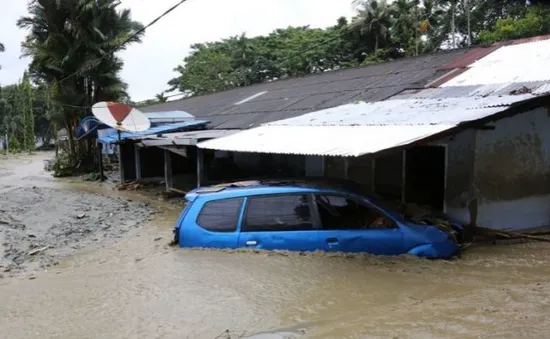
[[459, 184], [512, 172]]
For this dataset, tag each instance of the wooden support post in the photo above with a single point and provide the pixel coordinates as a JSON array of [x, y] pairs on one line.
[[137, 157], [100, 149], [200, 166], [168, 170], [403, 176], [346, 168], [121, 164]]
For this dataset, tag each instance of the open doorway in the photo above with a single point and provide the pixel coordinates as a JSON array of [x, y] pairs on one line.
[[425, 176]]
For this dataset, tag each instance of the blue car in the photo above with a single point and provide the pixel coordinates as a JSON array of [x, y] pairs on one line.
[[303, 217]]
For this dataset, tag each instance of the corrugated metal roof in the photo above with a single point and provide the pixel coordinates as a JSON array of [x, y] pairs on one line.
[[506, 89], [362, 128], [169, 115], [405, 112], [346, 141], [513, 63], [184, 138], [295, 96], [154, 130], [472, 56]]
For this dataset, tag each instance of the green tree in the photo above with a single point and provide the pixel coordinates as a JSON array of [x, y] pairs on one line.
[[381, 30], [73, 45], [535, 22], [403, 28], [374, 18], [161, 98], [27, 113], [10, 118]]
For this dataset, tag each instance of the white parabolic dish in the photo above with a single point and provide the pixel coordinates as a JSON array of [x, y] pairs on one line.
[[121, 117]]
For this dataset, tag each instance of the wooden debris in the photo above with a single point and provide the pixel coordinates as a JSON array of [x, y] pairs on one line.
[[508, 235], [38, 250], [175, 190]]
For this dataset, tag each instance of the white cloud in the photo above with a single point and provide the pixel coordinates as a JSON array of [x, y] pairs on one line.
[[148, 66]]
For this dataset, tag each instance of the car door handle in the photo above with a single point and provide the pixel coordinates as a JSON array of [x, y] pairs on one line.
[[251, 243], [332, 240]]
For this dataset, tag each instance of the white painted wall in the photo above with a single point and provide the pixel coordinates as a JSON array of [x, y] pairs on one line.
[[512, 172]]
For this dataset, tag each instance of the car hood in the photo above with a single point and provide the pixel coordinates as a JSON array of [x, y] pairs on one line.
[[426, 234]]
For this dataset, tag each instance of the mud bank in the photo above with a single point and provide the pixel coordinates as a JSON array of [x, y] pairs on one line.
[[39, 225]]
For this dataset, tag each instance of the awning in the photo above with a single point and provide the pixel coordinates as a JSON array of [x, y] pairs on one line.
[[113, 138], [346, 141]]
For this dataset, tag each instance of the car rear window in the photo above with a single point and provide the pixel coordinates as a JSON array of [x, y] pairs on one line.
[[220, 215], [278, 213]]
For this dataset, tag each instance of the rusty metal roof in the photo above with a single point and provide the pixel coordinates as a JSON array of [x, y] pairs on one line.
[[524, 62], [470, 57]]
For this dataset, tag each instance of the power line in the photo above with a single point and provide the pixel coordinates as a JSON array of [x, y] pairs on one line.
[[132, 36], [345, 31]]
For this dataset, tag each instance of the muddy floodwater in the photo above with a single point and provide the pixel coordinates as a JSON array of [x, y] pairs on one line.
[[131, 284]]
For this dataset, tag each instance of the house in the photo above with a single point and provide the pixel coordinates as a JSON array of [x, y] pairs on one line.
[[477, 146], [248, 107], [463, 131]]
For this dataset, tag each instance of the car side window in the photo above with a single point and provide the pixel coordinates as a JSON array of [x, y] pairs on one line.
[[341, 213], [278, 213], [220, 215]]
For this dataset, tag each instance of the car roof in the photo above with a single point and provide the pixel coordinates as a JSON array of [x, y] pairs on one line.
[[262, 187]]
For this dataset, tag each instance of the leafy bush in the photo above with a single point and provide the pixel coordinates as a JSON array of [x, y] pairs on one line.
[[64, 166]]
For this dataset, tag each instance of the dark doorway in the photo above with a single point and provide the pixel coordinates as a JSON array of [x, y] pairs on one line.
[[388, 176], [425, 176]]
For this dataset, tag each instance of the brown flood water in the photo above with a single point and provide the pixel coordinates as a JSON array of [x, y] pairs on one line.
[[141, 288]]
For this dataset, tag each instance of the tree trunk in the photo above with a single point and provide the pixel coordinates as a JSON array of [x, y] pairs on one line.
[[468, 8], [453, 28], [70, 136]]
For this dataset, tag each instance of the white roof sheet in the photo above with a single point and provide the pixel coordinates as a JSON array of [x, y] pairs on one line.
[[348, 141], [184, 138], [514, 63], [362, 128]]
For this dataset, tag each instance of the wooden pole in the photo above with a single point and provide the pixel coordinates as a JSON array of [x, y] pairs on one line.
[[100, 150], [137, 160], [200, 165], [168, 170]]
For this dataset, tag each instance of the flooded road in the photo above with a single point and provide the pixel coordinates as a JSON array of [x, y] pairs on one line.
[[138, 287]]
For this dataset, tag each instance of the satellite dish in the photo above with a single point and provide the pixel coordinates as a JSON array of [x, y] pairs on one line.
[[121, 117]]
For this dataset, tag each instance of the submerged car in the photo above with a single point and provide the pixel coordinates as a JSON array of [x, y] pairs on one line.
[[288, 215]]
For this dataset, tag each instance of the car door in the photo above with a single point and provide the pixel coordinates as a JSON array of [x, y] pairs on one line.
[[213, 224], [351, 225], [279, 222]]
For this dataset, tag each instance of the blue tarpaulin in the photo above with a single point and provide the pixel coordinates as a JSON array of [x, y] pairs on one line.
[[88, 126], [178, 127]]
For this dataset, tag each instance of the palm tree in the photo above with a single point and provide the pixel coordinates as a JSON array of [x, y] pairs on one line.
[[432, 18], [374, 19], [403, 26], [2, 49], [72, 44], [161, 98]]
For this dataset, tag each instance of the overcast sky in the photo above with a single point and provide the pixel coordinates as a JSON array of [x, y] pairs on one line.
[[149, 66]]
